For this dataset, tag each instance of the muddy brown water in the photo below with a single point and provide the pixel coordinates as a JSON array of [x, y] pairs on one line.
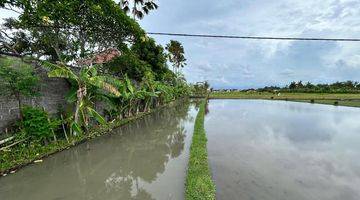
[[143, 160], [278, 150]]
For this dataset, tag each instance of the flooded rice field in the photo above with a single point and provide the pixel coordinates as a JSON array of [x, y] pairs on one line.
[[258, 150], [278, 150], [144, 160]]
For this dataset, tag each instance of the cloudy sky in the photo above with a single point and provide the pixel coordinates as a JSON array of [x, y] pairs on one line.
[[229, 63], [232, 63]]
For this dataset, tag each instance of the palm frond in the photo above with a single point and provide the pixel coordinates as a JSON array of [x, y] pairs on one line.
[[92, 70], [59, 71], [106, 83], [96, 115], [138, 14], [146, 9], [139, 2], [49, 65], [155, 5], [126, 9], [76, 128], [129, 85], [71, 96], [124, 2], [151, 5], [151, 94]]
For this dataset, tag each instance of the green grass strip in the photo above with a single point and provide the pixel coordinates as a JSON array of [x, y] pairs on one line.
[[199, 184]]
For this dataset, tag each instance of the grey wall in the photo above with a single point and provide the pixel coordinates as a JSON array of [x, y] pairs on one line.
[[53, 91]]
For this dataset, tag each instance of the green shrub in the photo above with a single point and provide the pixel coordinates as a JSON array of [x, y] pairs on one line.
[[36, 124]]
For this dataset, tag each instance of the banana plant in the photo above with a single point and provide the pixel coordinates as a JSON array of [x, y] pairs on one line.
[[85, 82], [149, 92], [166, 93]]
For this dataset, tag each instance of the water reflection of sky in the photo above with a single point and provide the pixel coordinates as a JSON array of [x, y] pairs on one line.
[[284, 149]]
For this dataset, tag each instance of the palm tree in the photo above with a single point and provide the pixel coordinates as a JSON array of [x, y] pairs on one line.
[[176, 54], [86, 79], [138, 8]]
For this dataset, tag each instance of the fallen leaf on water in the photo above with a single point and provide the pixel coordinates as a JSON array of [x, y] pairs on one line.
[[38, 161]]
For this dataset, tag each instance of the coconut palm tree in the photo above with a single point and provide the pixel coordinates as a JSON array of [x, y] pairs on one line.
[[176, 55], [85, 80], [138, 8]]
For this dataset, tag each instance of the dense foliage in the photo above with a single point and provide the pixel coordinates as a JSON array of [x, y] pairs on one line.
[[201, 89], [66, 30], [102, 52], [37, 125], [153, 54]]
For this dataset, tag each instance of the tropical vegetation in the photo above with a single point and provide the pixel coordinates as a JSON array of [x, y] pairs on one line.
[[201, 89], [105, 56]]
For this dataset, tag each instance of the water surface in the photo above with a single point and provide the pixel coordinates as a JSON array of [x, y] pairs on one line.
[[144, 160], [278, 150]]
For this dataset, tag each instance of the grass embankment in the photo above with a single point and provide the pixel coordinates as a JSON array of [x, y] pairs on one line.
[[199, 184], [19, 156], [341, 99]]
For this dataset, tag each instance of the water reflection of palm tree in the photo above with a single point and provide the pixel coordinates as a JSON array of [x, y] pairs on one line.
[[177, 143]]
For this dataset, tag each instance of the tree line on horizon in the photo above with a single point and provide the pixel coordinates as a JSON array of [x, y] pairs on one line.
[[308, 87]]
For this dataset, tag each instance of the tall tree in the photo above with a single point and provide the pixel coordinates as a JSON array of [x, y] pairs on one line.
[[147, 50], [138, 8], [176, 54]]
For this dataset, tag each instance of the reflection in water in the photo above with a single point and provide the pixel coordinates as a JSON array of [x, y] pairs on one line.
[[132, 163], [283, 150]]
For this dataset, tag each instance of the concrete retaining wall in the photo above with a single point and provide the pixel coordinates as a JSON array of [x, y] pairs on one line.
[[53, 91]]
